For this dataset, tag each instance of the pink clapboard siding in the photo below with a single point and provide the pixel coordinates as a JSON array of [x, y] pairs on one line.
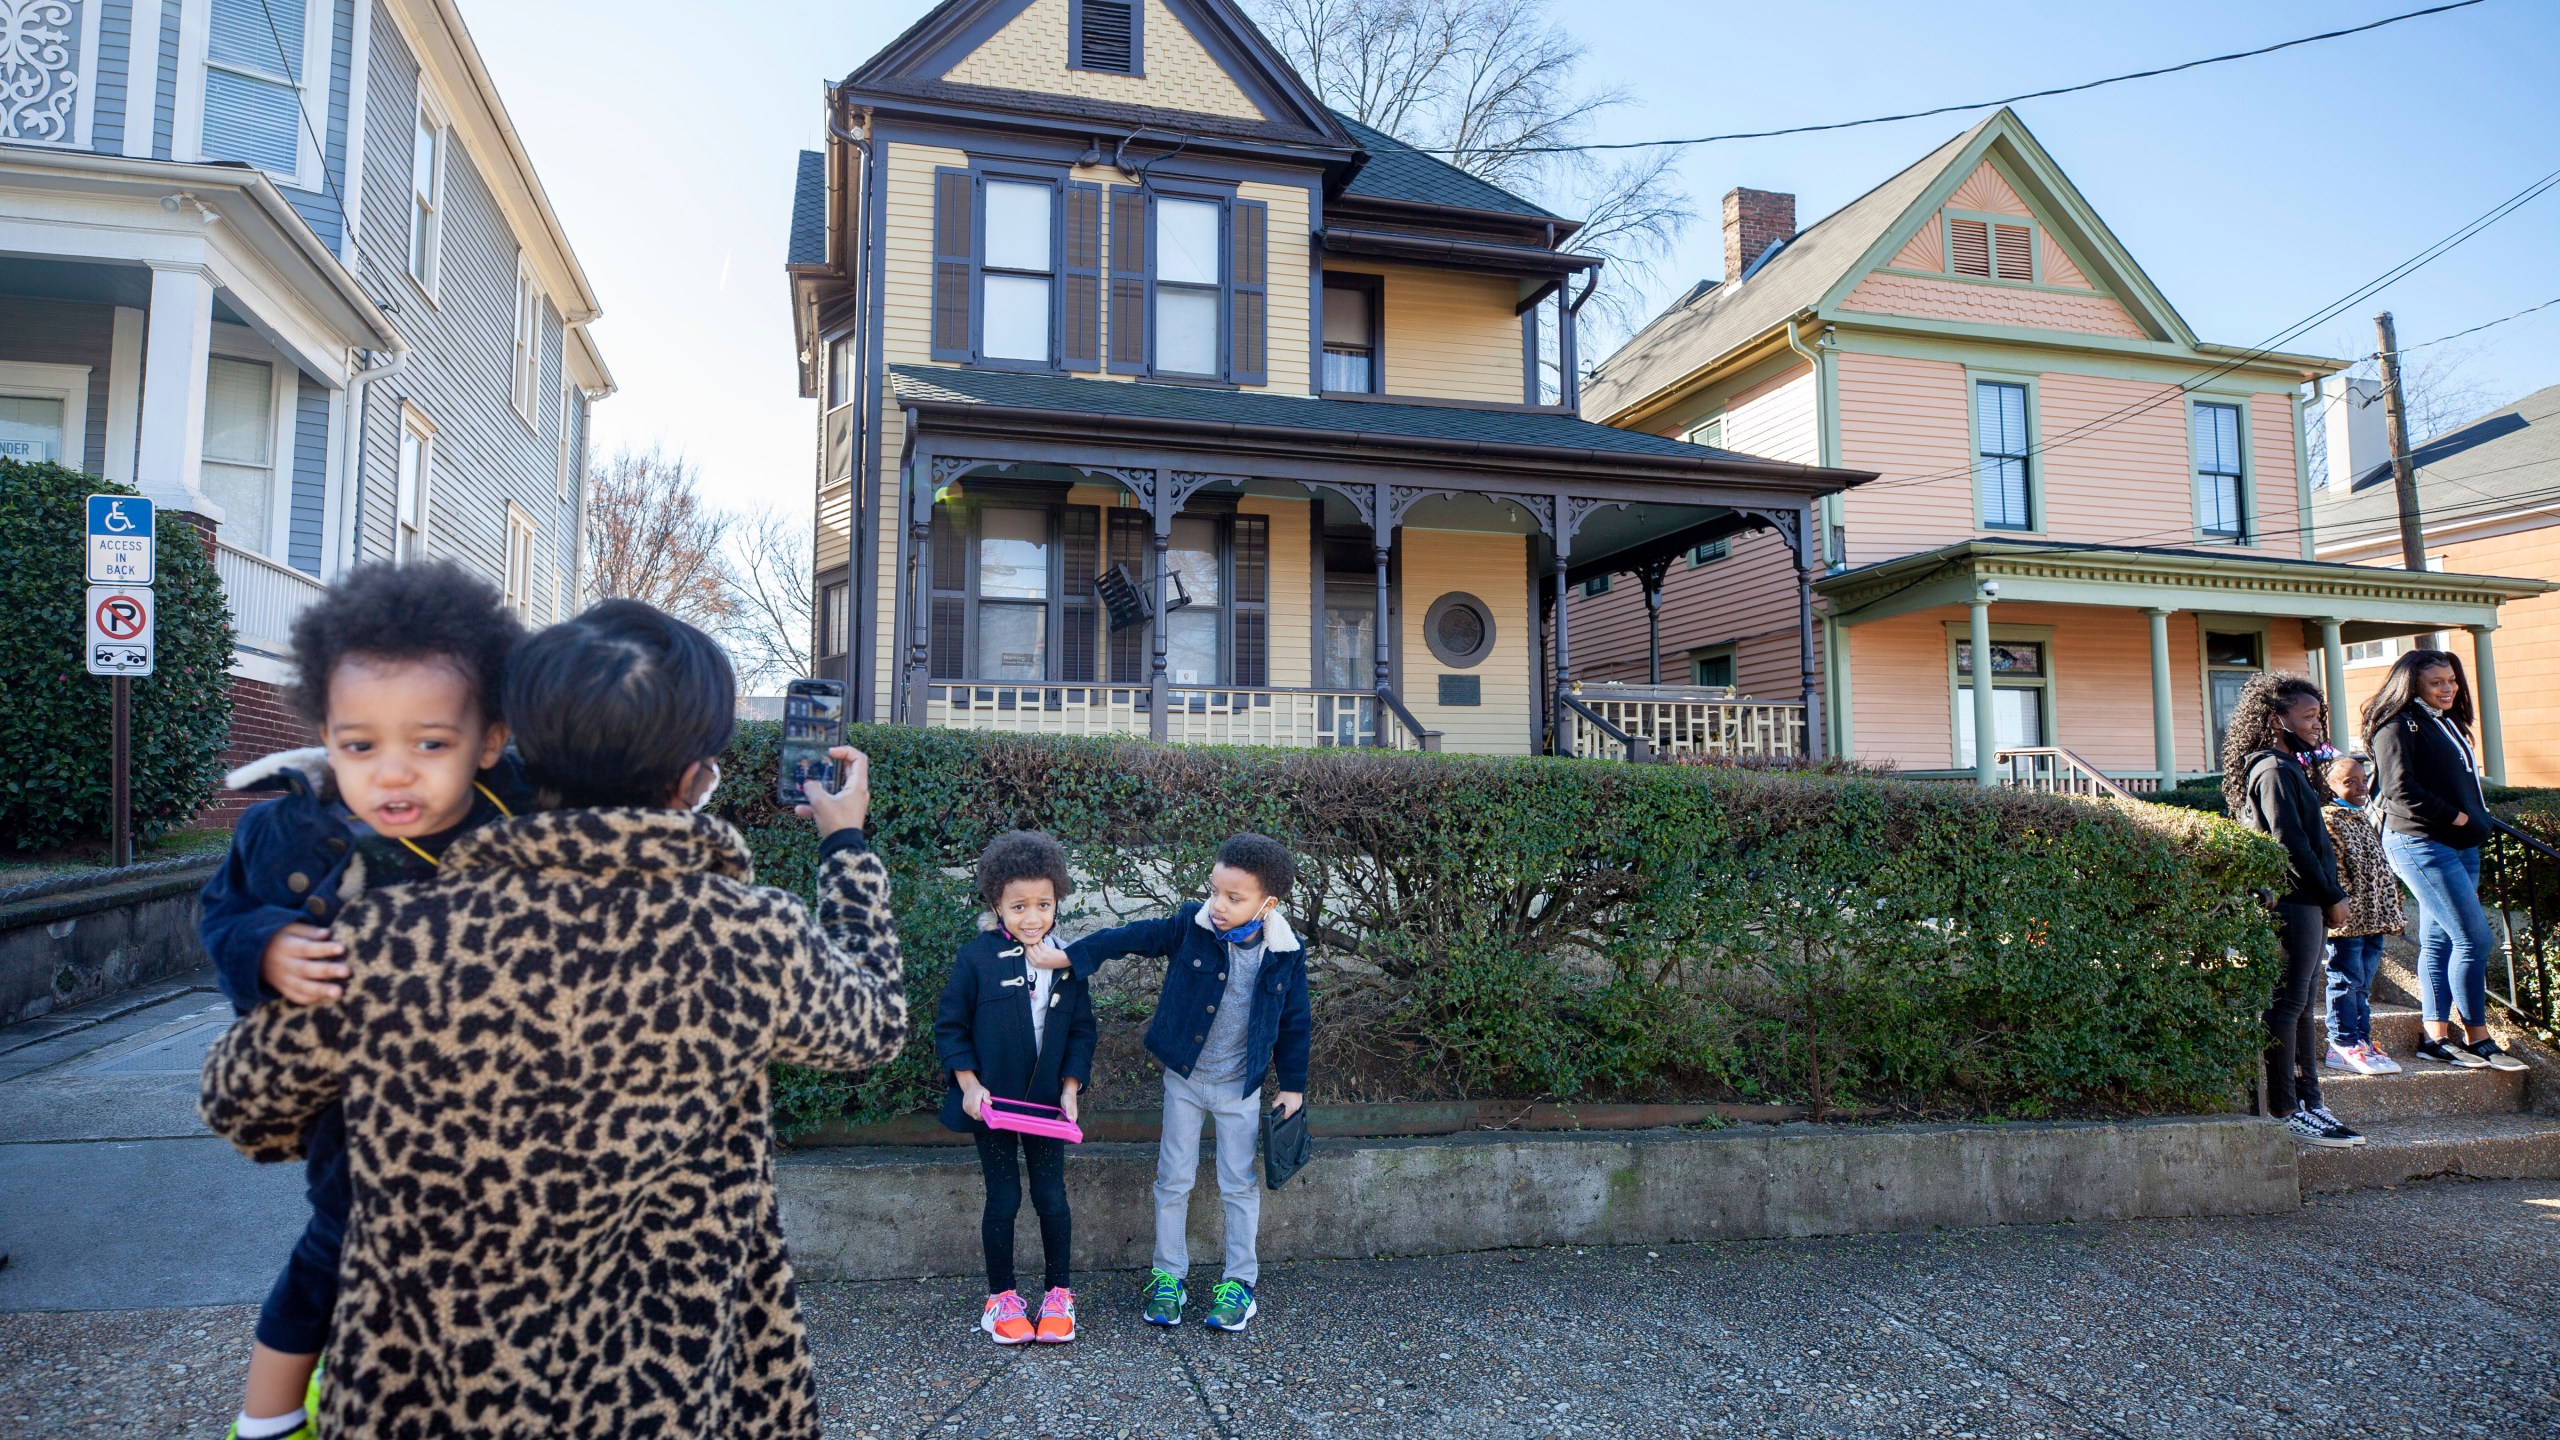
[[1982, 303], [2114, 467], [2100, 659]]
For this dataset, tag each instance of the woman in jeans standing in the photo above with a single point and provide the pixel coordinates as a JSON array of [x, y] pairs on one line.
[[2418, 726]]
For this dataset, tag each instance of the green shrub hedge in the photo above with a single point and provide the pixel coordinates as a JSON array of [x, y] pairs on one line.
[[56, 724], [1586, 930]]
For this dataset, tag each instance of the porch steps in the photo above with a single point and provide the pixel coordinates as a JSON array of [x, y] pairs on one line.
[[2433, 1121]]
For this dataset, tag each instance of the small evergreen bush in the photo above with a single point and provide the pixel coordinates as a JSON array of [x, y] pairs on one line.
[[1577, 929], [56, 719]]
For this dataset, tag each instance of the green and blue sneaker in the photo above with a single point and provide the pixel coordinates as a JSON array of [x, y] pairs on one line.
[[1165, 1296], [1230, 1306]]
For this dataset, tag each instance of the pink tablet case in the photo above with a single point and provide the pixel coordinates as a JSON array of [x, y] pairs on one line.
[[1043, 1120]]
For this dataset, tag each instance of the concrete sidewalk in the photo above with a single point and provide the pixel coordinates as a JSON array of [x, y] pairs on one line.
[[2342, 1320]]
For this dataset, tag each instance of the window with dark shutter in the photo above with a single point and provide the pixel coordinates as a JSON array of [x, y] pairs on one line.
[[955, 194], [948, 563], [1969, 248], [1106, 36], [1252, 562], [1131, 533], [1249, 328], [1128, 280], [1080, 331], [1080, 623]]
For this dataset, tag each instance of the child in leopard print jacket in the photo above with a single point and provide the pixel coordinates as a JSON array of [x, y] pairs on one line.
[[2373, 911]]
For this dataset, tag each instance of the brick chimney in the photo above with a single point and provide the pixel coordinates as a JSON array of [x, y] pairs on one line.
[[1754, 220]]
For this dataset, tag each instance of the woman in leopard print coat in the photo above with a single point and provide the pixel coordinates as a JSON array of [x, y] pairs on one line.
[[553, 1060]]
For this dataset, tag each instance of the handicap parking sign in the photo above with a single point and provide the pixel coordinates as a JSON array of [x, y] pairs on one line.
[[120, 551]]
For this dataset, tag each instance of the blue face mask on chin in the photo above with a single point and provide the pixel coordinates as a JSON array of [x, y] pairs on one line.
[[1249, 933]]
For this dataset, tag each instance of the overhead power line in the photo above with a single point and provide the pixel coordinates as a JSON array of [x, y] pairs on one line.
[[1957, 109], [2476, 329]]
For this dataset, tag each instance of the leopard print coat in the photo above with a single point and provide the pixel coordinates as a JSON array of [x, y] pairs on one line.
[[2373, 891], [552, 1056]]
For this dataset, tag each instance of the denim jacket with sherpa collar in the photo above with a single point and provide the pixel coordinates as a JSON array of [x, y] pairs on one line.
[[1195, 984]]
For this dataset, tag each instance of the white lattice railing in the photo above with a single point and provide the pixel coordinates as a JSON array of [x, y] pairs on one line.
[[1194, 715], [2053, 770], [265, 597], [1675, 720]]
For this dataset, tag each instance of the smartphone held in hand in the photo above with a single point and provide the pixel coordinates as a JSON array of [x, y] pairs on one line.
[[812, 724]]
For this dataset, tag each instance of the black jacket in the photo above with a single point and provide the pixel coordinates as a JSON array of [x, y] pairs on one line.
[[984, 1025], [2283, 804], [2424, 780]]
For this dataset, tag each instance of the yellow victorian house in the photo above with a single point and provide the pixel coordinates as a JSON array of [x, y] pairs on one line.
[[1157, 399]]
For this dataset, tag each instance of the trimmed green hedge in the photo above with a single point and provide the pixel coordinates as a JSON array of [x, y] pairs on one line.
[[1587, 930], [56, 719]]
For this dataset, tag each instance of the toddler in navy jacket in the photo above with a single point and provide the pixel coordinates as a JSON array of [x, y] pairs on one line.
[[400, 670], [1009, 1031]]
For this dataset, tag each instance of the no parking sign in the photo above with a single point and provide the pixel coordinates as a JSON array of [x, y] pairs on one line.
[[121, 629]]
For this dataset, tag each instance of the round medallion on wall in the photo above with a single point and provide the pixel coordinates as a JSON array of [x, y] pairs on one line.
[[1459, 629]]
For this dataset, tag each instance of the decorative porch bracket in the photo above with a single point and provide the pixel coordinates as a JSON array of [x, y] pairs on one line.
[[1796, 528]]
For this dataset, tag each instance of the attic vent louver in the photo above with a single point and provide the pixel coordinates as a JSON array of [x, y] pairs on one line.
[[1106, 38], [1989, 251]]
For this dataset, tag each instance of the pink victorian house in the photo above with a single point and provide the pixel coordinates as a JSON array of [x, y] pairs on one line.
[[2077, 497]]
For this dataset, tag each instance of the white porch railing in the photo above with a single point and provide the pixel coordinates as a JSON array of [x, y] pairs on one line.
[[265, 597], [1194, 715], [1678, 720], [2053, 770]]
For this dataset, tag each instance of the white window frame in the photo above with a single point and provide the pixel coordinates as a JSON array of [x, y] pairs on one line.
[[524, 387], [412, 514], [195, 39], [234, 342], [1960, 688], [523, 531], [427, 255], [568, 447], [66, 383]]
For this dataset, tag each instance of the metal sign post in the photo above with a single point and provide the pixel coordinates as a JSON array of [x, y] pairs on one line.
[[123, 623]]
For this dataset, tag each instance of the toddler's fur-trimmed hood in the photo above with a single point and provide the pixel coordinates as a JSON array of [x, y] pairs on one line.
[[306, 770]]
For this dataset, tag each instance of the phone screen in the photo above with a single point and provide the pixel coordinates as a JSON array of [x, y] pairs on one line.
[[812, 724]]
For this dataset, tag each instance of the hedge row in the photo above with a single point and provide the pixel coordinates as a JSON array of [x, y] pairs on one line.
[[1577, 929], [56, 719]]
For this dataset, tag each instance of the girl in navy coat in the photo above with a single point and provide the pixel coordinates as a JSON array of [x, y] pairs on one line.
[[1016, 1032]]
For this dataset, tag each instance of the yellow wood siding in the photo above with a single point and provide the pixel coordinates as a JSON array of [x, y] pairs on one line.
[[1449, 335], [1494, 569], [1031, 54], [1292, 242], [1292, 588], [835, 526]]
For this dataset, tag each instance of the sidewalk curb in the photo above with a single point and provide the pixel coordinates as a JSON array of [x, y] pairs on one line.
[[869, 1214]]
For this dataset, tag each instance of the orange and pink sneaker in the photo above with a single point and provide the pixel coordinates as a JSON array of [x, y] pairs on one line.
[[1003, 1319], [1057, 1316]]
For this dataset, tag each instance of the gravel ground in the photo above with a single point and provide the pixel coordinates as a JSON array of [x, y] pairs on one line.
[[2432, 1310]]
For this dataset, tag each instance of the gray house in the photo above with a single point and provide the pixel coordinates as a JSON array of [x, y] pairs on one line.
[[285, 266]]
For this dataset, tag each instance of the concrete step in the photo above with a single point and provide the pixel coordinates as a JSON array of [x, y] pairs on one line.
[[2423, 1089], [2396, 1029], [2480, 1147]]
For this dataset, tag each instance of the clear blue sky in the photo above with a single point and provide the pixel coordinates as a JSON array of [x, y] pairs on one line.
[[2253, 193]]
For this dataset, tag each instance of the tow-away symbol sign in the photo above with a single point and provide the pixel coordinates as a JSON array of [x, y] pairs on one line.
[[121, 628]]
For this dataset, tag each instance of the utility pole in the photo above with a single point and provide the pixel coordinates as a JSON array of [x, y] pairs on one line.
[[2404, 475]]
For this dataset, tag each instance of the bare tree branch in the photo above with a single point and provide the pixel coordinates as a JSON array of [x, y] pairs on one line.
[[1491, 80], [770, 598], [650, 538]]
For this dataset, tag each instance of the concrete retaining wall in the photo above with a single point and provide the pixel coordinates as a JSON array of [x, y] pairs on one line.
[[863, 1214], [64, 949]]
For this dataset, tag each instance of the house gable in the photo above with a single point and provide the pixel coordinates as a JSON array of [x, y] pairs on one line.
[[2002, 238], [1174, 71], [1200, 60]]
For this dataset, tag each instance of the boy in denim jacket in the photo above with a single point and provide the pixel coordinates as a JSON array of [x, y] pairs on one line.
[[1232, 1011]]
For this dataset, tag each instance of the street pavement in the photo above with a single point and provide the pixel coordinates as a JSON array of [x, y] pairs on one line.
[[140, 1247]]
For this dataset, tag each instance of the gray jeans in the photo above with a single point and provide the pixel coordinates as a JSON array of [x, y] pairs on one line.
[[1239, 1122]]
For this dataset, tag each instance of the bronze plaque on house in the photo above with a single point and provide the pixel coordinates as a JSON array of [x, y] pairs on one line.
[[1461, 689]]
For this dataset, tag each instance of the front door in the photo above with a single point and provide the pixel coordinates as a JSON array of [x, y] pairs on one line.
[[2232, 659]]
